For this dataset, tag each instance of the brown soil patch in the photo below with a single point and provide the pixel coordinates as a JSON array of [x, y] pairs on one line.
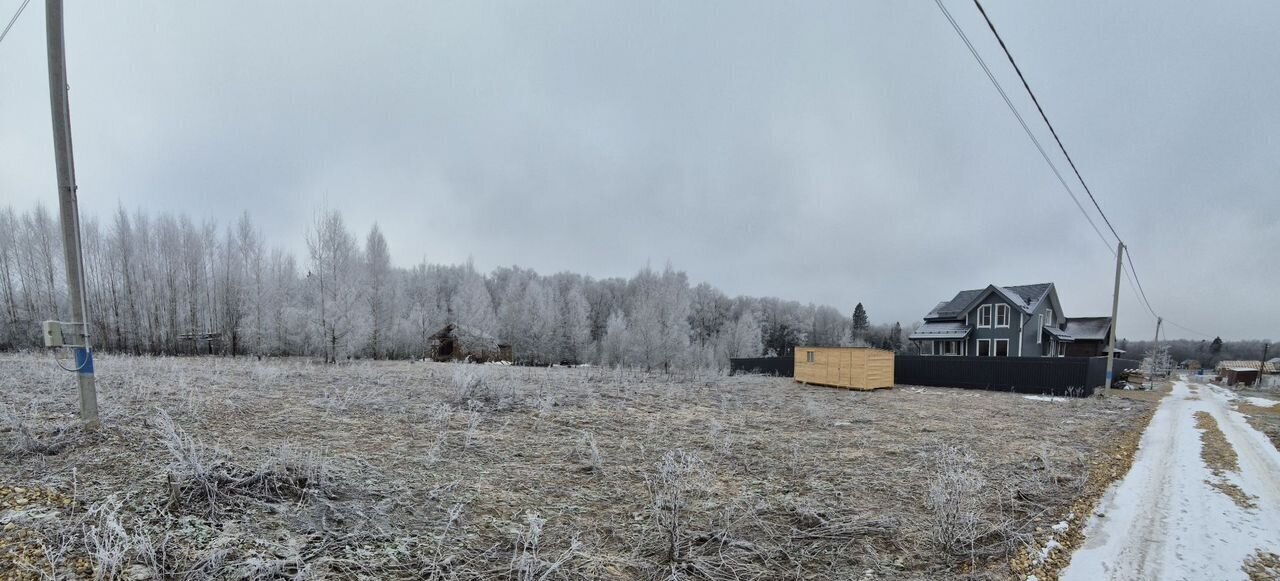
[[23, 551], [1103, 472], [1221, 458], [1263, 566], [1215, 450], [1263, 419]]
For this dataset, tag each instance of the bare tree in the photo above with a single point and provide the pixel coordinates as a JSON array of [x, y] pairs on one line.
[[333, 270]]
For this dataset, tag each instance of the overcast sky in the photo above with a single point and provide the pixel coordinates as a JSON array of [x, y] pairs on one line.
[[827, 152]]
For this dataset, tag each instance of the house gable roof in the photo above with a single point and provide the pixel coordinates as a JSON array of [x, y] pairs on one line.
[[1026, 297]]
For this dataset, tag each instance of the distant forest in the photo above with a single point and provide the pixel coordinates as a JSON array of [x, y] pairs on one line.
[[1207, 351], [156, 283]]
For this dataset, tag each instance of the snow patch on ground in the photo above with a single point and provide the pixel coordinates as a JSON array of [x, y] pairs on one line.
[[1261, 402], [1061, 527], [1048, 548], [1164, 521], [1044, 398]]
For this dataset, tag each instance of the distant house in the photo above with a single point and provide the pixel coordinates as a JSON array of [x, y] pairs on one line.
[[1270, 366], [1010, 321], [455, 342]]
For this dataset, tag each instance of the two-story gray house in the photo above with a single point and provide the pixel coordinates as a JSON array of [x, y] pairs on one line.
[[1010, 321]]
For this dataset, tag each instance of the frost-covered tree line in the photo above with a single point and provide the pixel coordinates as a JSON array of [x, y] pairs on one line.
[[166, 284]]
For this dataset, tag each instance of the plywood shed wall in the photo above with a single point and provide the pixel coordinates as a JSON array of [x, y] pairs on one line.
[[849, 367]]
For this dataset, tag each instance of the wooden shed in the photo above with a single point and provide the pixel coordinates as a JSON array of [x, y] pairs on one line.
[[1239, 375], [859, 368]]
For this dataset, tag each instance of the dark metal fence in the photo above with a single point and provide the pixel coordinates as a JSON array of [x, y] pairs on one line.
[[1076, 376], [780, 366]]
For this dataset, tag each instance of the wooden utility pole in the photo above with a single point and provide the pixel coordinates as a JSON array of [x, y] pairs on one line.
[[1155, 352], [1115, 308], [69, 210]]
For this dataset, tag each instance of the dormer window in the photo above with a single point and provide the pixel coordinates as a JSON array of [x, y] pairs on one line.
[[984, 317], [1002, 315]]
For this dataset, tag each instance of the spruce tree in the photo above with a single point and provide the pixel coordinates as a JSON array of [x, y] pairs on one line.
[[860, 325]]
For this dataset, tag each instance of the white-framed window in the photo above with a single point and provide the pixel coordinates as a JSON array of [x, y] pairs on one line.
[[1002, 315], [1048, 317], [1062, 349], [1053, 348], [1040, 330], [950, 347], [984, 347], [1000, 347], [984, 317], [808, 356]]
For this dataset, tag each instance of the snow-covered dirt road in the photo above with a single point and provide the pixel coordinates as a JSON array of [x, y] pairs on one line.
[[1166, 519]]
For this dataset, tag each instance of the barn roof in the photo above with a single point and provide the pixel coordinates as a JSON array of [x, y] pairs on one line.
[[1248, 365], [1088, 328]]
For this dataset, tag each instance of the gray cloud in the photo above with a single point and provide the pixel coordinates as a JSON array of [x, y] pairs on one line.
[[829, 152]]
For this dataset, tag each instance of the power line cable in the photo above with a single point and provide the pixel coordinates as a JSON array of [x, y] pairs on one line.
[[1131, 273], [1193, 331], [1136, 293], [14, 19], [1062, 147], [1025, 128]]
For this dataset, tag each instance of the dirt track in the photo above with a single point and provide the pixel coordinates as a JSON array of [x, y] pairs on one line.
[[1172, 517]]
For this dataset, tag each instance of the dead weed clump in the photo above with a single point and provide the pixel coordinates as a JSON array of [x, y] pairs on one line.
[[202, 480], [27, 440]]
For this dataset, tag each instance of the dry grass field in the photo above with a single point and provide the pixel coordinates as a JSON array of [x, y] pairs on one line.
[[243, 469]]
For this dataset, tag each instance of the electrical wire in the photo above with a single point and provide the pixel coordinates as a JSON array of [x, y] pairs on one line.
[[14, 19], [1192, 331], [1136, 294], [1025, 127], [1131, 272], [1136, 280], [1062, 147]]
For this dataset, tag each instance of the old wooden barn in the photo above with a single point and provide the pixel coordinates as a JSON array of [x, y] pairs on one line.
[[859, 368], [455, 342]]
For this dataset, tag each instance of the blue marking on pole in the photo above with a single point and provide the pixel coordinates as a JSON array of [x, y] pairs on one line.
[[84, 361], [1108, 378]]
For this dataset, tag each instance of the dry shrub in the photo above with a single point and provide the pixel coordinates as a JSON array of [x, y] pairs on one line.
[[527, 564], [958, 499], [24, 440], [678, 480], [471, 382]]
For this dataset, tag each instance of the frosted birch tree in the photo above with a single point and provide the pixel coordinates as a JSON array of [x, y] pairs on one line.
[[380, 291]]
